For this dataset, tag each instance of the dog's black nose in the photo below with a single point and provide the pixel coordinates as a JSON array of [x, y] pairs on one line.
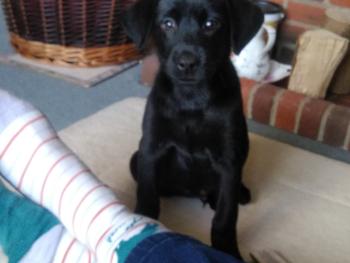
[[187, 61]]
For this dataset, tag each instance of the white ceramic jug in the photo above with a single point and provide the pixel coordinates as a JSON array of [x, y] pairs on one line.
[[254, 60]]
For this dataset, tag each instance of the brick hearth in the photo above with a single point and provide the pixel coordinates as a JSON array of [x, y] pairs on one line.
[[319, 120]]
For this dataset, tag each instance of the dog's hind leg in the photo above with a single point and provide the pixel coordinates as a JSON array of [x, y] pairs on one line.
[[133, 165], [244, 195]]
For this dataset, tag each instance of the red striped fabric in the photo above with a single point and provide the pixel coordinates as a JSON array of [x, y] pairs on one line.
[[82, 171], [101, 211], [82, 200], [66, 155], [102, 236], [19, 132], [31, 158], [68, 250]]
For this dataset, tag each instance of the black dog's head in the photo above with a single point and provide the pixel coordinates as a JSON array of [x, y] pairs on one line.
[[192, 37]]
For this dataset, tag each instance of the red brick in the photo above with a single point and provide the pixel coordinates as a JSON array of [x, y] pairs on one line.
[[246, 87], [247, 82], [279, 2], [311, 116], [290, 31], [287, 110], [343, 3], [310, 14], [337, 126], [342, 100], [316, 1], [262, 104], [149, 69]]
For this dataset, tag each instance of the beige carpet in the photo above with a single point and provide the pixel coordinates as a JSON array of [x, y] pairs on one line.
[[301, 206]]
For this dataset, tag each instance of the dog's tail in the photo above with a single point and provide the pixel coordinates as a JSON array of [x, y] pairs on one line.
[[133, 165]]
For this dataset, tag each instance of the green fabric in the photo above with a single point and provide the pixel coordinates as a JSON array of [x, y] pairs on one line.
[[21, 223], [125, 247]]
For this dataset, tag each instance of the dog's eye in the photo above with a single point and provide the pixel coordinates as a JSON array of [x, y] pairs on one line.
[[211, 25], [168, 24]]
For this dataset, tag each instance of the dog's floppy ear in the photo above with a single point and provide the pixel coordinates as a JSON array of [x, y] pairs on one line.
[[246, 19], [138, 21]]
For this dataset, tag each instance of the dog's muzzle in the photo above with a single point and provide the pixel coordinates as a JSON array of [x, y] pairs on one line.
[[186, 64]]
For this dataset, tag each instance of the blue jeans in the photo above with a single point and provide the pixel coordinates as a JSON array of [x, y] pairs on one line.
[[176, 248]]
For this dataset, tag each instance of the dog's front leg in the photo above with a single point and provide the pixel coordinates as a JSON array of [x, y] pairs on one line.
[[223, 232], [148, 201]]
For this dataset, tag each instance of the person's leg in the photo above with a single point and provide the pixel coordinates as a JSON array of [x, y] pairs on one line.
[[21, 224], [176, 248], [39, 165], [30, 233]]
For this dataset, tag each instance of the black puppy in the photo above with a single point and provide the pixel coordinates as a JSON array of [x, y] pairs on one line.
[[195, 140]]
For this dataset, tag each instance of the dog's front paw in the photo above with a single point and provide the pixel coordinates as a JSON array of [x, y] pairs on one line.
[[147, 211], [227, 245], [229, 249], [244, 196]]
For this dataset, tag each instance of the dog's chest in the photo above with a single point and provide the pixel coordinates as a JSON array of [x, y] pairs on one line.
[[196, 132], [187, 170], [192, 142]]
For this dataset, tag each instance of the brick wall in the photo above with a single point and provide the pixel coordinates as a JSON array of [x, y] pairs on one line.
[[306, 14], [316, 119], [303, 15]]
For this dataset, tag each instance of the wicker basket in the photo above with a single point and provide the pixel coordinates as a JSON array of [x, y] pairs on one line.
[[82, 33]]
